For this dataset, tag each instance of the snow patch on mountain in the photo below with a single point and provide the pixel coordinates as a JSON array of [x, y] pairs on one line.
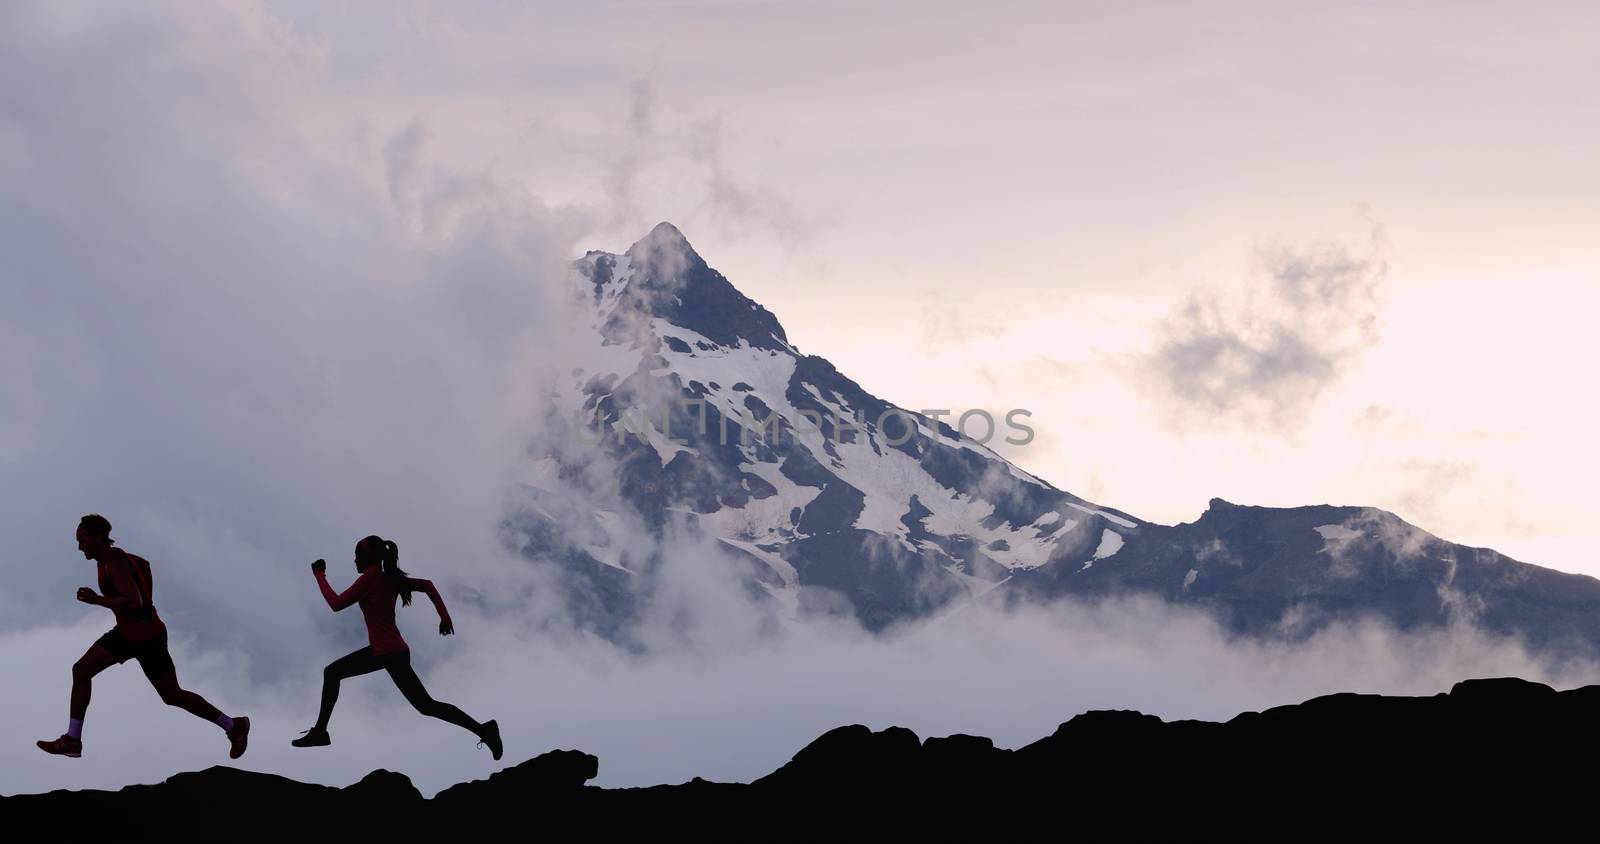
[[1336, 532], [1110, 517], [609, 552], [766, 519], [1110, 543], [770, 556]]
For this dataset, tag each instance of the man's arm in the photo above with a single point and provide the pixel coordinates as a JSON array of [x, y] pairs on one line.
[[446, 626], [128, 596], [337, 602]]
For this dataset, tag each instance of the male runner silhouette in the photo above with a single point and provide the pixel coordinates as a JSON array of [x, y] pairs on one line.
[[380, 584], [139, 634]]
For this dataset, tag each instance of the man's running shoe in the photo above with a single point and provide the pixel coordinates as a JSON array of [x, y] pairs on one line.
[[239, 736], [491, 737], [313, 738], [64, 746]]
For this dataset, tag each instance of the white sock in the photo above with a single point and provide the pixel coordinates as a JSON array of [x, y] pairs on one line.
[[225, 723], [75, 728]]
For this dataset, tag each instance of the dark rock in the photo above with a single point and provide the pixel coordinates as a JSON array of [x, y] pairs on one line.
[[1490, 760]]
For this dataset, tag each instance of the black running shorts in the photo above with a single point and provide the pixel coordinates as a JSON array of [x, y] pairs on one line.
[[152, 653]]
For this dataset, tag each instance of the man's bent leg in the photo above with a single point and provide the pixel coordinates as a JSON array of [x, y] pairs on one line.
[[93, 661], [97, 659], [174, 695], [156, 661]]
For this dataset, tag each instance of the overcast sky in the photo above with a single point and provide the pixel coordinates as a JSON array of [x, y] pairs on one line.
[[280, 275]]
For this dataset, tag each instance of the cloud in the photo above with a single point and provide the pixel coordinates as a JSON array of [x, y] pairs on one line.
[[681, 151], [245, 337], [632, 156], [1427, 482], [1264, 356], [1351, 544], [731, 202], [946, 323]]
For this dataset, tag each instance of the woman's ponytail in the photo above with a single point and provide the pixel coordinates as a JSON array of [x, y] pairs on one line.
[[389, 557]]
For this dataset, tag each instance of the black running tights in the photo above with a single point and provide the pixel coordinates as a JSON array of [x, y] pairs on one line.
[[398, 664]]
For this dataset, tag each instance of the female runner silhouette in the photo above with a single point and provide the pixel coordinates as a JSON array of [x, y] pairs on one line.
[[380, 582]]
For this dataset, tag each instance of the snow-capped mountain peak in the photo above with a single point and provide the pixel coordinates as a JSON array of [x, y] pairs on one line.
[[661, 276], [712, 417], [712, 414]]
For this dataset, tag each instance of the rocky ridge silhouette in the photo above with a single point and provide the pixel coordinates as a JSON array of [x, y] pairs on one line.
[[1491, 759]]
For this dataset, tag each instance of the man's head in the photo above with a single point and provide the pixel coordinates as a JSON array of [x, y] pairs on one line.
[[94, 535]]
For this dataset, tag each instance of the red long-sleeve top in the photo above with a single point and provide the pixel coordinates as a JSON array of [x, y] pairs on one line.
[[377, 597]]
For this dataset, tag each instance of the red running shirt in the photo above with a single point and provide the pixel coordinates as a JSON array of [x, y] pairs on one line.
[[121, 574], [378, 598]]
